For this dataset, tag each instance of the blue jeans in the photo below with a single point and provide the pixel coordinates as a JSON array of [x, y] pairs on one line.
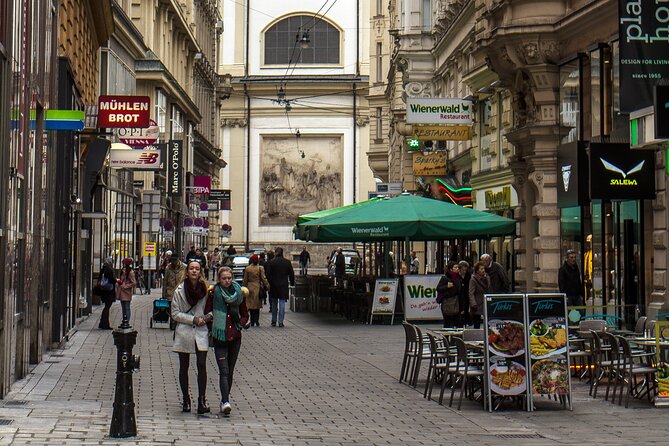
[[273, 301], [125, 309]]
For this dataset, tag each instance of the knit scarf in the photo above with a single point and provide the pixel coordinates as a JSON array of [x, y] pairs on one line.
[[194, 292], [223, 298]]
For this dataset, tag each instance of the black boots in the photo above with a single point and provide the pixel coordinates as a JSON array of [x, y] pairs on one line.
[[202, 406], [186, 405]]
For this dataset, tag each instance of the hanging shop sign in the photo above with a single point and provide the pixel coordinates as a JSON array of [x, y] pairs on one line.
[[385, 295], [389, 189], [496, 198], [442, 132], [226, 230], [432, 164], [572, 175], [662, 111], [618, 173], [142, 159], [124, 111], [505, 348], [139, 137], [420, 297], [548, 347], [439, 111], [201, 185], [413, 143], [174, 168], [222, 196], [644, 59], [150, 249]]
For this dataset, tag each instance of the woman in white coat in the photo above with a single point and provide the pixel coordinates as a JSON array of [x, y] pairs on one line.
[[191, 333]]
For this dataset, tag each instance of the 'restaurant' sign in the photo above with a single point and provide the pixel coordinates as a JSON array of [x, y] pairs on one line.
[[124, 111], [174, 168], [432, 164], [618, 173], [143, 159], [442, 132], [439, 111]]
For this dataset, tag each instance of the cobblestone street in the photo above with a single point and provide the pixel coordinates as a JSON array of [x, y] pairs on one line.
[[319, 380]]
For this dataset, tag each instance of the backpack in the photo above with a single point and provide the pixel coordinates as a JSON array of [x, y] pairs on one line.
[[105, 284]]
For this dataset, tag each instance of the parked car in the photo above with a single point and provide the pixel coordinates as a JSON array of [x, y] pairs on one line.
[[239, 264], [352, 260]]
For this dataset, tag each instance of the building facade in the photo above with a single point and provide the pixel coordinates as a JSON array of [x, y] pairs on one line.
[[545, 83], [296, 127]]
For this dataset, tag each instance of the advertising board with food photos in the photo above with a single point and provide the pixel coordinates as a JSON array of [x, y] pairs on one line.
[[662, 351], [548, 348], [505, 348], [385, 294]]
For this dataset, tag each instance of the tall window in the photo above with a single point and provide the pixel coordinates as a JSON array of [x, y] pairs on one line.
[[282, 42], [379, 62], [427, 15], [379, 123], [570, 101]]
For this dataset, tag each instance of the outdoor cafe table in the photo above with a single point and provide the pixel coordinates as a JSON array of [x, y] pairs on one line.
[[649, 344]]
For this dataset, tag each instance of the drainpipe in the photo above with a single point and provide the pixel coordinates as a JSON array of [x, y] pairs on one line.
[[247, 229]]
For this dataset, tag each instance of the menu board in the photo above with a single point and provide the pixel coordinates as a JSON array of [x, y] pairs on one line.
[[505, 346], [661, 349], [549, 346], [385, 294], [420, 297]]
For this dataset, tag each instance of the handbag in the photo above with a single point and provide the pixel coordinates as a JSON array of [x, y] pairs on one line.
[[105, 284]]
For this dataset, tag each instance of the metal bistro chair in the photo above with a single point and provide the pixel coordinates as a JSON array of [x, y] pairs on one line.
[[614, 370], [415, 352], [640, 326], [630, 370], [438, 362], [601, 361], [465, 373]]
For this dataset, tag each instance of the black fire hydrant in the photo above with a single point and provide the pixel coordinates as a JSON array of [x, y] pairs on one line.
[[123, 422]]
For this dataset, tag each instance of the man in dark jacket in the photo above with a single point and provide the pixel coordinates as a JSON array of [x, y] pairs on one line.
[[499, 282], [569, 280], [305, 259], [106, 290], [280, 274], [340, 267]]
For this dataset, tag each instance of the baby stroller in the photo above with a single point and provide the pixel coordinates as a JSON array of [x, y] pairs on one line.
[[161, 312]]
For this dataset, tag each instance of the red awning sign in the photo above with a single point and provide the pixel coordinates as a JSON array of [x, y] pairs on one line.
[[124, 111]]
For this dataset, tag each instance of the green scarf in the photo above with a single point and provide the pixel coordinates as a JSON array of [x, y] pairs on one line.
[[233, 297]]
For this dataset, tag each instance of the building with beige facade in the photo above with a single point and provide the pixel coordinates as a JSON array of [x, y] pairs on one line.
[[544, 79], [295, 131]]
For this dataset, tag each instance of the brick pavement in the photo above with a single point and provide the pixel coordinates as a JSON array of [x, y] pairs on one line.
[[319, 380]]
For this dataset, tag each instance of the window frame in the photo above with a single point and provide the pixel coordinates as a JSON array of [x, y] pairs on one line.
[[263, 42]]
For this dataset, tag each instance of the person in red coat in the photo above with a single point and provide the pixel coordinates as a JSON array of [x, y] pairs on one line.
[[226, 302]]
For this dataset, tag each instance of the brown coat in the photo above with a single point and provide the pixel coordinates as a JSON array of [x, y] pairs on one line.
[[126, 286], [253, 276]]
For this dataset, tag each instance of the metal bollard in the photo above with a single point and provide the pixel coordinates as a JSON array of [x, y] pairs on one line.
[[123, 423]]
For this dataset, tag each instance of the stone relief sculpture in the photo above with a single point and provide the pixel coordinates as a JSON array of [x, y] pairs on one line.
[[292, 185]]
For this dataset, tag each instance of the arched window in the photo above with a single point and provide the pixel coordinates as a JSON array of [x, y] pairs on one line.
[[281, 47]]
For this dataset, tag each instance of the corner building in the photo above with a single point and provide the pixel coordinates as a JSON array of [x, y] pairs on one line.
[[545, 81]]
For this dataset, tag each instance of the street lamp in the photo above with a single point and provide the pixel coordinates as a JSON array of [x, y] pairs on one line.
[[303, 40]]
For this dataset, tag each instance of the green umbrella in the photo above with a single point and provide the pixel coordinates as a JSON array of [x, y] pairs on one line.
[[406, 217], [328, 212]]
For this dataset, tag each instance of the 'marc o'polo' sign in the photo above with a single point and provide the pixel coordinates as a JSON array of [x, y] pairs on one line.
[[174, 168], [124, 111]]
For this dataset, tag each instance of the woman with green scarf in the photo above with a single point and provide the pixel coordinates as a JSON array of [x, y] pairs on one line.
[[226, 302]]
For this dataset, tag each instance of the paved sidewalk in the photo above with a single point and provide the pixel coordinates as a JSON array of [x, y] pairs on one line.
[[320, 380]]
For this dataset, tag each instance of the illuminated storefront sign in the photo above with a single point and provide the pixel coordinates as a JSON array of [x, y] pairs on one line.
[[618, 173]]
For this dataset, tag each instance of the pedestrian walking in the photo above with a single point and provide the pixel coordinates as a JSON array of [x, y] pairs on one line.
[[174, 275], [280, 275], [463, 298], [263, 291], [202, 258], [448, 291], [340, 267], [499, 282], [414, 266], [191, 253], [479, 285], [126, 286], [569, 280], [255, 280], [226, 303], [305, 260], [191, 334], [106, 289], [215, 262]]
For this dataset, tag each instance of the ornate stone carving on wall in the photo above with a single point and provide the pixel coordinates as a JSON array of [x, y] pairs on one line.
[[361, 121], [419, 89], [291, 185], [233, 122]]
